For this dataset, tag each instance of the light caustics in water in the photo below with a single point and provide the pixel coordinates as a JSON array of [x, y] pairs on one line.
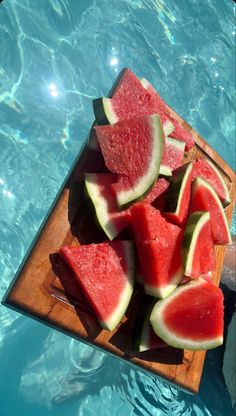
[[53, 90]]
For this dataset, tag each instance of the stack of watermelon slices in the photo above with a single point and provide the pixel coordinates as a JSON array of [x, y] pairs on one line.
[[174, 214]]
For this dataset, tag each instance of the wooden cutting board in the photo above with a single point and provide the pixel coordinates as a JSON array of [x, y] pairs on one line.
[[45, 290]]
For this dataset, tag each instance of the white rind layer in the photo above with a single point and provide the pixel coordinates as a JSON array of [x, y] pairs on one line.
[[167, 335], [100, 205], [146, 181], [163, 292], [145, 83], [200, 182], [176, 143], [108, 110], [227, 194], [186, 176], [165, 170], [199, 226], [168, 128], [144, 344], [113, 320]]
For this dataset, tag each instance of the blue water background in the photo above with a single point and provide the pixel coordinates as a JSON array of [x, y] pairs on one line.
[[55, 57]]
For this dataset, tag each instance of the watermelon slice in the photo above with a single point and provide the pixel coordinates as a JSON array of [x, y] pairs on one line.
[[179, 132], [105, 273], [99, 189], [198, 248], [133, 149], [191, 317], [172, 156], [144, 338], [159, 250], [204, 198], [134, 98], [178, 195], [207, 170]]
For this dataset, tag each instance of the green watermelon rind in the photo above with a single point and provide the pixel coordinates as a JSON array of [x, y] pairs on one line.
[[167, 335], [176, 190], [195, 223], [100, 205], [144, 336], [142, 318], [165, 291], [115, 318], [198, 182], [146, 181], [226, 201]]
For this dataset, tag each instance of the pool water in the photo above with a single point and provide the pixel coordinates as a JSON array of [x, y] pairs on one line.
[[55, 57]]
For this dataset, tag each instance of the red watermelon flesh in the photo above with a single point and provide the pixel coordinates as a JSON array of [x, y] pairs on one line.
[[125, 145], [155, 196], [100, 190], [178, 195], [204, 260], [105, 273], [113, 221], [204, 198], [207, 170], [205, 320], [159, 250], [198, 248], [133, 149], [159, 187], [131, 99], [179, 133], [135, 98], [173, 153]]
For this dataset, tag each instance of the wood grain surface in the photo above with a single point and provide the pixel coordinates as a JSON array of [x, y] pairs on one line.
[[45, 289]]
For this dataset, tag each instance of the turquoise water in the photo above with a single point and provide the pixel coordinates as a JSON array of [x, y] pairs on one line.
[[55, 57]]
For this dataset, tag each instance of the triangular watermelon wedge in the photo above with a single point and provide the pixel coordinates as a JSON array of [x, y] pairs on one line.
[[144, 337], [105, 273], [172, 156], [191, 317], [133, 97], [159, 250], [198, 249], [103, 197], [208, 171], [204, 198], [133, 150], [179, 132], [99, 187], [178, 195]]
